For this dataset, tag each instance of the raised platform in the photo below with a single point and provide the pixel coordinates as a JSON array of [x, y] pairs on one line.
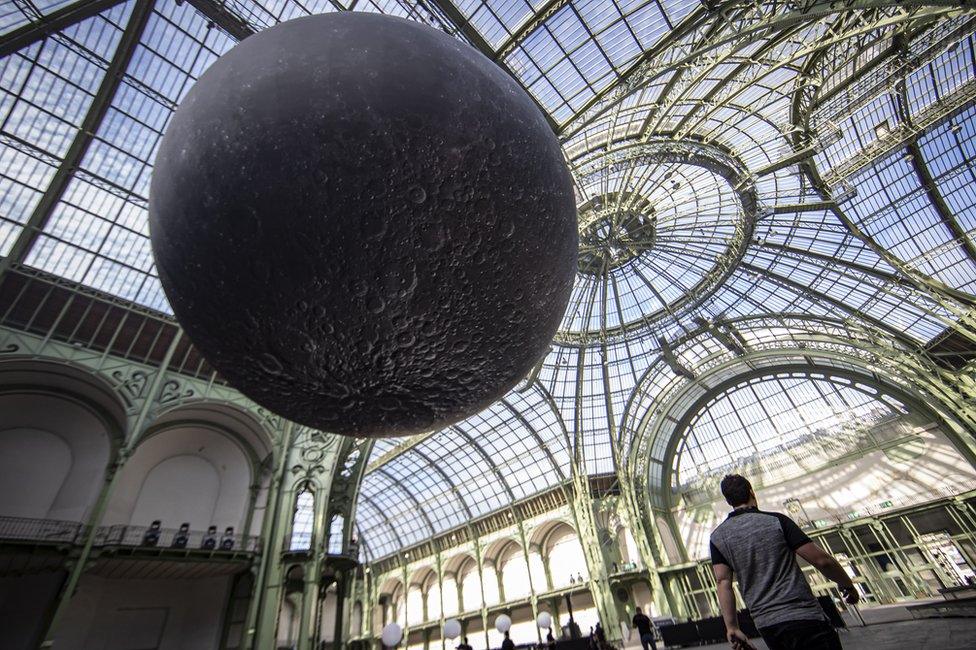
[[35, 546]]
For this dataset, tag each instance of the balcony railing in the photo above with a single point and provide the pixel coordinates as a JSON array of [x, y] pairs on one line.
[[168, 538], [50, 531]]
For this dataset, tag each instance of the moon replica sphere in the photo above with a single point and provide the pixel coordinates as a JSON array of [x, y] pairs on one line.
[[365, 225]]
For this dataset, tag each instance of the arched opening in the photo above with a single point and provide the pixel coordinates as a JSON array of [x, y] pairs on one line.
[[53, 454], [470, 585], [819, 447], [537, 570], [302, 521], [514, 573], [189, 472], [59, 430], [449, 595], [430, 589], [629, 555], [455, 570], [415, 604], [328, 608], [356, 620], [567, 564], [183, 470], [392, 600], [167, 492], [489, 584], [290, 612], [336, 529]]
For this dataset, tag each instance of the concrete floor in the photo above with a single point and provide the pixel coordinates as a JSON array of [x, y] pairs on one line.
[[931, 634]]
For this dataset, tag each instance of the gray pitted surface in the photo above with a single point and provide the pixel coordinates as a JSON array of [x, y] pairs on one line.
[[365, 225]]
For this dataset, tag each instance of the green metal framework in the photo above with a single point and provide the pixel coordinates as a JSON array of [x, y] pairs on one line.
[[763, 186]]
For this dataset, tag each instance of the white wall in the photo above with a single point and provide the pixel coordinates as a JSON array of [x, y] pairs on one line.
[[180, 488], [53, 454], [449, 596], [328, 619], [34, 464], [356, 619], [642, 598], [566, 559], [515, 574], [135, 614], [289, 620], [189, 474], [924, 468]]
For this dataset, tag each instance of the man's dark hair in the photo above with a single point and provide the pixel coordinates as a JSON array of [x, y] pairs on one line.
[[736, 489]]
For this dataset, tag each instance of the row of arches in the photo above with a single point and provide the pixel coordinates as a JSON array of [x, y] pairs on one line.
[[61, 439], [508, 573]]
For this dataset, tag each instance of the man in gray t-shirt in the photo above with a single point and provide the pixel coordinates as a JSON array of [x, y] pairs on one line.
[[760, 548]]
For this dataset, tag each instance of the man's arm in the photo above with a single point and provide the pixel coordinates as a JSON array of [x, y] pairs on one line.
[[726, 602], [726, 596], [831, 569], [803, 546]]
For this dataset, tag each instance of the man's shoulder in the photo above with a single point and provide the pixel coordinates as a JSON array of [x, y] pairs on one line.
[[745, 519], [778, 516], [772, 513], [717, 531]]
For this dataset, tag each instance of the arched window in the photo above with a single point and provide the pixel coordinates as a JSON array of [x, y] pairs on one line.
[[537, 570], [356, 620], [301, 523], [471, 587], [450, 596], [567, 564], [433, 599], [489, 577], [398, 606], [335, 534], [515, 573], [415, 604]]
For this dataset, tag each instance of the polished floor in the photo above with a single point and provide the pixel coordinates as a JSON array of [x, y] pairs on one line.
[[934, 634]]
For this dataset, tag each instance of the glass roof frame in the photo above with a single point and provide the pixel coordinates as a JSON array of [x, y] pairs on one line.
[[763, 83]]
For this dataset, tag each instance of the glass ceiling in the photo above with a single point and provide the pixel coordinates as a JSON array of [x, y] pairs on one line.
[[742, 174], [761, 423]]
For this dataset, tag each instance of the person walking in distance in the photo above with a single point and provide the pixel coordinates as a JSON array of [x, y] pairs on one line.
[[759, 548], [645, 630], [508, 644]]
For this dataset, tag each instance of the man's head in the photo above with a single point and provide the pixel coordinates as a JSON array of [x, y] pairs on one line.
[[640, 611], [737, 490]]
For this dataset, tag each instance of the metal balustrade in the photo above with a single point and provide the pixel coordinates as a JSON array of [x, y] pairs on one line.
[[51, 531], [134, 535]]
